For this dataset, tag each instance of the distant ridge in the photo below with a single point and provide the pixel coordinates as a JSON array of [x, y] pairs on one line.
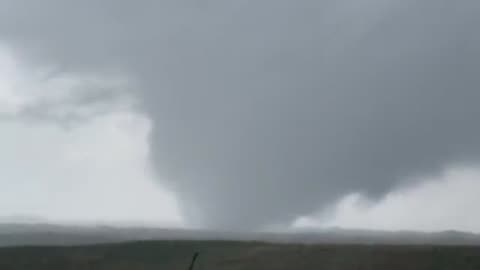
[[30, 234]]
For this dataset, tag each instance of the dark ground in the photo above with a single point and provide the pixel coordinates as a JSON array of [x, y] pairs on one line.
[[238, 255]]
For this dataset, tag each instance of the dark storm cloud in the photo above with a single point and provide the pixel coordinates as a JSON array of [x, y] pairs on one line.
[[267, 110]]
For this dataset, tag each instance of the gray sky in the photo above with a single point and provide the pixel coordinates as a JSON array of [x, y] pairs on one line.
[[243, 114]]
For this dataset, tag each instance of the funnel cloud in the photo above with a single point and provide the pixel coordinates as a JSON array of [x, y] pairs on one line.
[[265, 111]]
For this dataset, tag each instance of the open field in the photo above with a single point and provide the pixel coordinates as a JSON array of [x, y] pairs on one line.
[[238, 255]]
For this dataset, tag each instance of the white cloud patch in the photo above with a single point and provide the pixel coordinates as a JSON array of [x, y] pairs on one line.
[[10, 101], [94, 170], [449, 201]]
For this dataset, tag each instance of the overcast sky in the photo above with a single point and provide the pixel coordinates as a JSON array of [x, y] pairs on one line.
[[242, 115]]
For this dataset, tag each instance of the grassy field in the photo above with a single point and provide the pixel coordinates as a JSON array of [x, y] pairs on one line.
[[214, 255]]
